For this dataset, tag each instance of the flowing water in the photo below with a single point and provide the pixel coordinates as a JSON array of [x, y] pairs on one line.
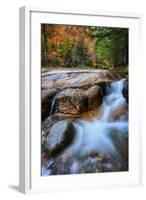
[[95, 138]]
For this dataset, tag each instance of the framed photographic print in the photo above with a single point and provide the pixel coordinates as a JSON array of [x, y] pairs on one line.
[[79, 111]]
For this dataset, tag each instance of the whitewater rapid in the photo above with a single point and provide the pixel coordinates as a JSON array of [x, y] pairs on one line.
[[95, 135]]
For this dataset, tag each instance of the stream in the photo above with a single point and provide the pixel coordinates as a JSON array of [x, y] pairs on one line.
[[101, 144]]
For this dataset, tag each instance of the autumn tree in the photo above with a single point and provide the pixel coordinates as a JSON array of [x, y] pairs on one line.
[[83, 46]]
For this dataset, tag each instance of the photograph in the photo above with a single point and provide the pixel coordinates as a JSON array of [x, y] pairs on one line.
[[84, 99]]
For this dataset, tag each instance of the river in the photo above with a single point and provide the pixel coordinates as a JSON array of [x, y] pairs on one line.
[[100, 144]]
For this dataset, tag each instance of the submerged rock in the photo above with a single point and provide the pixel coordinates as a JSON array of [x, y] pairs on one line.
[[60, 135]]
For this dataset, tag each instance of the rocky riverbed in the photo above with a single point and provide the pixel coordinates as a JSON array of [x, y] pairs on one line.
[[84, 122]]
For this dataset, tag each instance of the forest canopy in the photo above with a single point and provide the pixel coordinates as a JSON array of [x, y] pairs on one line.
[[72, 46]]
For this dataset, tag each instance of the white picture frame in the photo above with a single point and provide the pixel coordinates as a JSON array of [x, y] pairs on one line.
[[29, 160]]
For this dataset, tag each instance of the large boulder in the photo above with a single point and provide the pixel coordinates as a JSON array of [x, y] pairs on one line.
[[75, 101], [60, 135], [81, 78], [73, 92]]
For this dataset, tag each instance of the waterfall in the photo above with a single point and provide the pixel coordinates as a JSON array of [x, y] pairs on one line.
[[54, 100], [113, 100], [95, 135], [53, 104]]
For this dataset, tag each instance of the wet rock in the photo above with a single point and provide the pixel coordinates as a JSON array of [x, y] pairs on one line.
[[47, 96], [76, 101], [60, 135], [89, 165], [109, 164], [125, 90], [80, 88], [81, 78], [95, 97], [120, 142], [119, 114]]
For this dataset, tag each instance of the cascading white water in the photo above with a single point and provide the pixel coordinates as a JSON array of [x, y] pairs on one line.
[[53, 104], [95, 135], [113, 100]]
